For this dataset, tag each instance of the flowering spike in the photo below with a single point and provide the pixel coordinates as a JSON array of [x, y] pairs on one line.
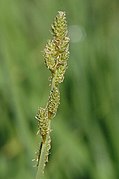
[[56, 55]]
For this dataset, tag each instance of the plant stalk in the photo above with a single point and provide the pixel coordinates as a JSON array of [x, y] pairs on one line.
[[40, 170]]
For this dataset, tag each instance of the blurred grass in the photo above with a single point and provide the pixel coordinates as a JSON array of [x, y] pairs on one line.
[[85, 131]]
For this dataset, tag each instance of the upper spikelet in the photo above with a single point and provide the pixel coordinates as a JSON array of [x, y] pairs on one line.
[[59, 27], [56, 52]]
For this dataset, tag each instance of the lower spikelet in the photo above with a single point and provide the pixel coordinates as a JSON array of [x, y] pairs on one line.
[[42, 117]]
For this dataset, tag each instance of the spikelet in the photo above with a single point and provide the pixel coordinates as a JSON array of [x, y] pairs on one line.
[[53, 102], [59, 27], [50, 55], [56, 52], [42, 117], [59, 77]]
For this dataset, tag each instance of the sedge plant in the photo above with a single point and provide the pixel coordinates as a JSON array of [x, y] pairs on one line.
[[56, 55]]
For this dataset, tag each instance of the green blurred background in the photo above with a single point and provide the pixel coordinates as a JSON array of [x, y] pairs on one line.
[[85, 136]]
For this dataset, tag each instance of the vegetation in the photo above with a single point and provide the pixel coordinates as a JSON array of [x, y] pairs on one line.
[[85, 133]]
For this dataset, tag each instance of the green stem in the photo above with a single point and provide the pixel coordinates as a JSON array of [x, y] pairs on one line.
[[40, 171]]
